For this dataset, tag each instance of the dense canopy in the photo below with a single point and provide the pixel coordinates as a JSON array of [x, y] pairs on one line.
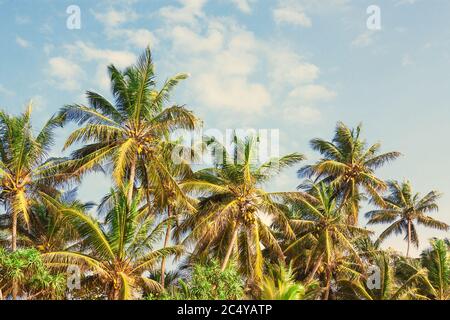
[[168, 229]]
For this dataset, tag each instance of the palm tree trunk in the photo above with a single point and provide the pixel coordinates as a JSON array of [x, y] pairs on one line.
[[314, 270], [409, 238], [14, 231], [354, 205], [230, 247], [112, 291], [115, 294], [132, 177], [166, 243], [14, 248], [327, 287], [149, 207]]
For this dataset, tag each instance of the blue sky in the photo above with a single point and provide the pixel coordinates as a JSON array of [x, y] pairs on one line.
[[294, 65]]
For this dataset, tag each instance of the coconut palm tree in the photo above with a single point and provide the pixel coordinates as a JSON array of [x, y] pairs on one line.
[[234, 211], [429, 276], [118, 251], [280, 284], [349, 164], [381, 283], [24, 166], [329, 237], [163, 194], [130, 133], [402, 209], [170, 206], [48, 230]]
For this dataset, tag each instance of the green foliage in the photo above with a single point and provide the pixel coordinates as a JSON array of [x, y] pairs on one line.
[[280, 284], [208, 282], [26, 268], [118, 250], [247, 235], [231, 196], [403, 209], [429, 276]]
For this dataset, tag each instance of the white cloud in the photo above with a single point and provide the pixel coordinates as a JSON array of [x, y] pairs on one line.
[[313, 93], [365, 39], [184, 38], [113, 18], [407, 60], [302, 103], [139, 38], [291, 15], [103, 57], [22, 42], [321, 6], [231, 93], [234, 71], [298, 12], [89, 52], [39, 103], [289, 68], [295, 82], [302, 114], [224, 61], [244, 5], [188, 13], [65, 73]]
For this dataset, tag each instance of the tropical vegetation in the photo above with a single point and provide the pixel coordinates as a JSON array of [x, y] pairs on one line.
[[171, 229]]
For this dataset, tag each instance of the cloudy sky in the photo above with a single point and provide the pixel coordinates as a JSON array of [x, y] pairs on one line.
[[294, 65]]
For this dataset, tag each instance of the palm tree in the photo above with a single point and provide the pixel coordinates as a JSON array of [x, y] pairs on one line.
[[24, 166], [118, 251], [130, 133], [350, 166], [167, 198], [329, 236], [50, 231], [389, 287], [430, 276], [234, 208], [402, 209], [280, 284]]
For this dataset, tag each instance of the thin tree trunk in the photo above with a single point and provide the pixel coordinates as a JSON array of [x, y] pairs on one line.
[[14, 248], [14, 231], [166, 243], [113, 292], [355, 205], [328, 285], [15, 289], [314, 270], [409, 238], [230, 247], [149, 207], [131, 181], [116, 294]]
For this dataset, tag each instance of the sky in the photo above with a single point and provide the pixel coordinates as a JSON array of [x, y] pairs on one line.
[[297, 66]]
